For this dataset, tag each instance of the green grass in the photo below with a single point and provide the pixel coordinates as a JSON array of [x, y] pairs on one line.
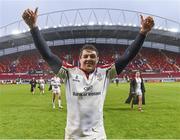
[[26, 116]]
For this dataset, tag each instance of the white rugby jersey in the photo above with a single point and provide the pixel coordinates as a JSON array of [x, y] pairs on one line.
[[56, 83], [85, 100], [41, 81]]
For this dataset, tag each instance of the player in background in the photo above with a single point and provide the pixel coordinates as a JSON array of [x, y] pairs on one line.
[[33, 85], [117, 81], [41, 83], [56, 91]]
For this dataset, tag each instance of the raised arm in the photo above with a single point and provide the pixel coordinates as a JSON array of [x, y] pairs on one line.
[[30, 18], [133, 49]]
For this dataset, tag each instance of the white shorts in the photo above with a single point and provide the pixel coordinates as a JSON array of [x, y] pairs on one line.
[[56, 91], [98, 134], [139, 93], [41, 87]]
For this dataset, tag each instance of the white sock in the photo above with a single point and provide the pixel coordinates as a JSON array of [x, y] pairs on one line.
[[53, 104], [59, 102]]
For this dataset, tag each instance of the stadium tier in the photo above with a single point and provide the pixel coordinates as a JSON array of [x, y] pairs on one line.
[[153, 62]]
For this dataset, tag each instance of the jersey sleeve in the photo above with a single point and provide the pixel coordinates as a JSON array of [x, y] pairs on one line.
[[53, 60], [129, 53], [66, 66], [107, 67]]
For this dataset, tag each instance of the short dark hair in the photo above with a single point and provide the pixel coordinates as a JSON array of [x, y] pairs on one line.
[[88, 47]]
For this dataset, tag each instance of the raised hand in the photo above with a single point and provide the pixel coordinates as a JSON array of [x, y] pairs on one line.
[[30, 17], [146, 24]]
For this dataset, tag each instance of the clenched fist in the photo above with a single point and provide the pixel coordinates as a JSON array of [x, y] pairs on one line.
[[30, 17], [146, 24]]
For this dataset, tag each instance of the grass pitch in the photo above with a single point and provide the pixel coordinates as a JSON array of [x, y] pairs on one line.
[[26, 116]]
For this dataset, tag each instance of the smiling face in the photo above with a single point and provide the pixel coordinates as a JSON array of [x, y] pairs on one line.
[[88, 59]]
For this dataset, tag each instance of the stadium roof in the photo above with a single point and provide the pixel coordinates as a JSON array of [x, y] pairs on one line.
[[92, 23]]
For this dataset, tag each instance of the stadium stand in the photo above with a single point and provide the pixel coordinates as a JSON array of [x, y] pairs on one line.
[[153, 62]]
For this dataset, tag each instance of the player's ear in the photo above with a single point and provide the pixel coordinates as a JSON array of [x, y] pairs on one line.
[[97, 60]]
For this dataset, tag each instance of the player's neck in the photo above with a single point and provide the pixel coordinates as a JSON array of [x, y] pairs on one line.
[[87, 73]]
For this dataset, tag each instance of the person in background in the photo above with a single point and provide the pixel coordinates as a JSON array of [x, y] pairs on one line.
[[137, 91], [56, 91], [41, 85], [33, 85]]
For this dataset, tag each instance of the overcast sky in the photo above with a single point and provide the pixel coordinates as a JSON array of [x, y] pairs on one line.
[[11, 10]]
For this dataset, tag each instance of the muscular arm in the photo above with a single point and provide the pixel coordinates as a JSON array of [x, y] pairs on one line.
[[54, 62], [130, 53]]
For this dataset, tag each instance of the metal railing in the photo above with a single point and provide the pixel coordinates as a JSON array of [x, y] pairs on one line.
[[90, 17]]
